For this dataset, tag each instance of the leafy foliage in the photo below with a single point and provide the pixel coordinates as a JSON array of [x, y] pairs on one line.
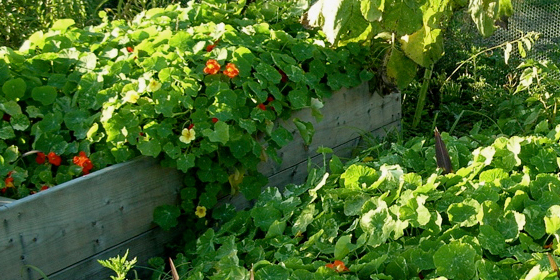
[[414, 29], [119, 90], [494, 218]]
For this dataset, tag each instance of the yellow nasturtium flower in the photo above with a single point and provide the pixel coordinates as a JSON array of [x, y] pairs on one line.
[[200, 211], [154, 86], [187, 135], [131, 96]]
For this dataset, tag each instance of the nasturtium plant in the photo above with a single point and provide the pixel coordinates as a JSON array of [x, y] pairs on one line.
[[481, 222], [199, 87]]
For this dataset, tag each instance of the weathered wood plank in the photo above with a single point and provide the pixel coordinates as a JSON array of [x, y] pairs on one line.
[[149, 244], [78, 219]]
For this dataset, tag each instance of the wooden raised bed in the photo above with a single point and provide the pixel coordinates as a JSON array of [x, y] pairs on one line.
[[64, 230]]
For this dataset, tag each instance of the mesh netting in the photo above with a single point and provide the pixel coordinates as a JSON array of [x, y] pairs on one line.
[[542, 16]]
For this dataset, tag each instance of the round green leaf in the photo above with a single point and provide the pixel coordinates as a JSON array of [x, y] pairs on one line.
[[166, 216], [464, 213], [14, 89], [150, 148], [44, 94], [455, 260], [20, 122]]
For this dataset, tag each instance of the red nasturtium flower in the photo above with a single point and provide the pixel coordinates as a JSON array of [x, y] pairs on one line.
[[54, 159], [129, 49], [209, 48], [41, 158], [262, 107], [212, 67], [84, 162], [231, 70], [214, 120], [337, 266], [44, 188]]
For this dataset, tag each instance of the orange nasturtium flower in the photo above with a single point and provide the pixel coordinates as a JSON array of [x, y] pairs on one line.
[[200, 211], [212, 67], [9, 182], [337, 266], [231, 70], [84, 162], [54, 159]]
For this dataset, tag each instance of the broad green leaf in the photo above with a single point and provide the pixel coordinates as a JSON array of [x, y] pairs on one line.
[[302, 51], [305, 129], [20, 122], [264, 217], [269, 72], [534, 221], [422, 259], [281, 136], [44, 94], [150, 148], [358, 177], [295, 73], [219, 134], [304, 219], [11, 108], [185, 162], [488, 270], [165, 102], [483, 13], [272, 272], [239, 148], [79, 121], [62, 24], [14, 89], [400, 69], [545, 161], [455, 260], [317, 68], [402, 17], [464, 213], [353, 204], [343, 246], [491, 240], [166, 216], [372, 10], [552, 221], [424, 46], [251, 187]]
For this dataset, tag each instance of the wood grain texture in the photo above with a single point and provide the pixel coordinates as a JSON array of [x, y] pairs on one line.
[[61, 226], [143, 247]]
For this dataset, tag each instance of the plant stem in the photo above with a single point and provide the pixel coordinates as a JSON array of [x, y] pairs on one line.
[[422, 96]]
